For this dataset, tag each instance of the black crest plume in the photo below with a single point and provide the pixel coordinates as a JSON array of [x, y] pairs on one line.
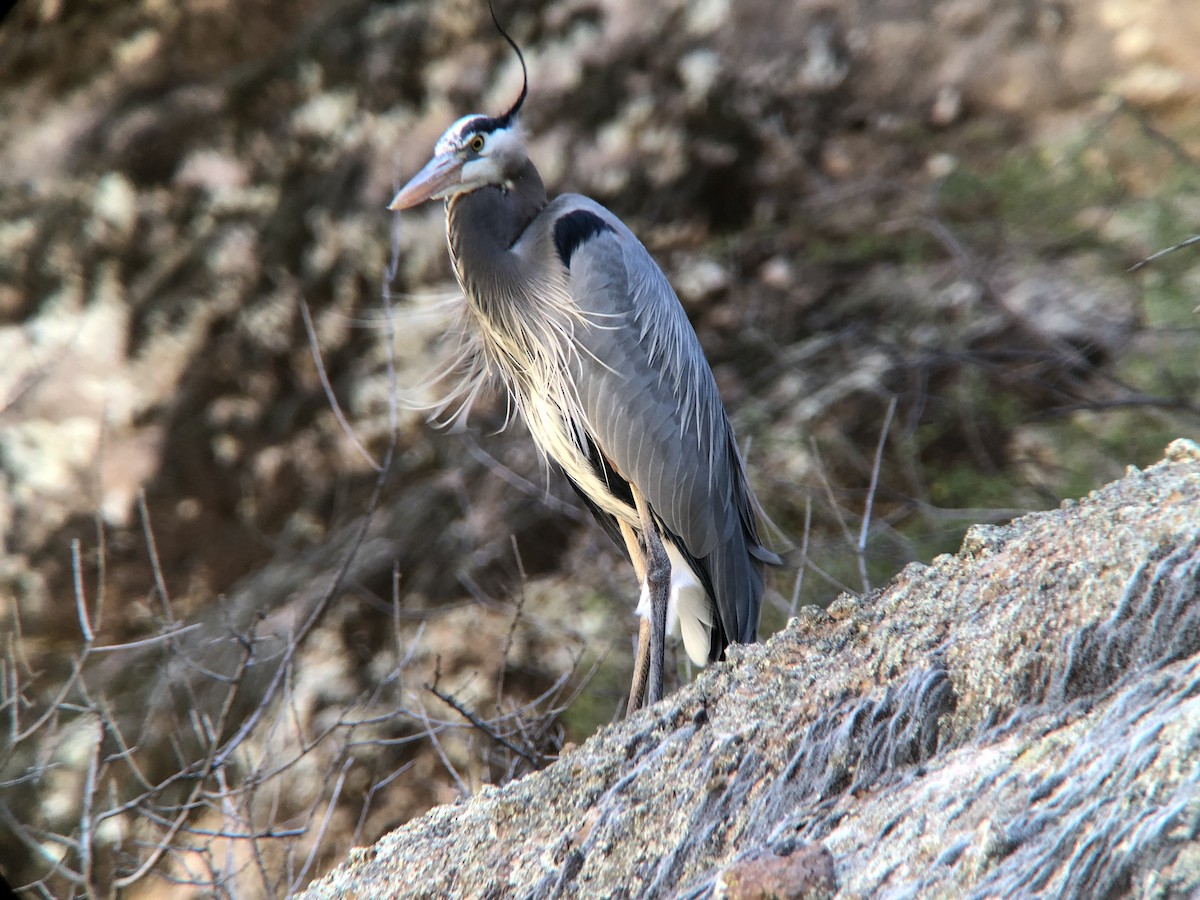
[[516, 107]]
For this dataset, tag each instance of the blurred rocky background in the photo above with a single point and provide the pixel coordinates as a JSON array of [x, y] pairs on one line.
[[254, 610]]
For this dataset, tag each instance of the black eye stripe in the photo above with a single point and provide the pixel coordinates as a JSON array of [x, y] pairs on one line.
[[482, 125]]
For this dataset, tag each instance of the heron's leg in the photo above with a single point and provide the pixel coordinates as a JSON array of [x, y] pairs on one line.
[[658, 586], [641, 669], [641, 665]]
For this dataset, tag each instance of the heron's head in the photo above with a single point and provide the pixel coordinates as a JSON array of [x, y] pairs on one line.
[[476, 152]]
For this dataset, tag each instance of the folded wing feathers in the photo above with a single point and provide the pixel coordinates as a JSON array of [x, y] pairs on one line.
[[602, 364]]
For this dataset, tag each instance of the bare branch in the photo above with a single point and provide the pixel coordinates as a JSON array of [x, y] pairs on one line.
[[866, 521], [485, 728], [1195, 239], [315, 350], [160, 581], [324, 826], [80, 600], [803, 556]]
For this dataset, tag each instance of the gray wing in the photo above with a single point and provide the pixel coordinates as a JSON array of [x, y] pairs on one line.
[[653, 411]]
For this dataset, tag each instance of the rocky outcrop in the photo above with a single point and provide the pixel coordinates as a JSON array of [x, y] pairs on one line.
[[1019, 719]]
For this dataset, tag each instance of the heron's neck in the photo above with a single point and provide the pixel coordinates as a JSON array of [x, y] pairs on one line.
[[483, 225]]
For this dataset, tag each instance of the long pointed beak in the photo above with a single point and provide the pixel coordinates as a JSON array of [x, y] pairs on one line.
[[439, 175]]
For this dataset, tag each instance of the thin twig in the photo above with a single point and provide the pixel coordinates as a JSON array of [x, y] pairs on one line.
[[315, 351], [80, 598], [86, 832], [485, 727], [101, 569], [431, 733], [225, 834], [397, 609], [167, 635], [803, 564], [1161, 253], [35, 846], [512, 627], [834, 506], [866, 522], [376, 786], [522, 484], [316, 844], [160, 581], [1173, 146]]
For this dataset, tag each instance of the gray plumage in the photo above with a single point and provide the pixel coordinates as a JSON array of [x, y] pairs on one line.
[[569, 310]]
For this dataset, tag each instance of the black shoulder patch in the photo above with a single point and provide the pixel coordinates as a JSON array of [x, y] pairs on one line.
[[573, 229]]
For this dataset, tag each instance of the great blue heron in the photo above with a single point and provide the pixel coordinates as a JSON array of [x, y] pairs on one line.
[[570, 311]]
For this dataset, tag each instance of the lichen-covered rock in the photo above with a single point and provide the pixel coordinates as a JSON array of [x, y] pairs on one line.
[[1019, 719]]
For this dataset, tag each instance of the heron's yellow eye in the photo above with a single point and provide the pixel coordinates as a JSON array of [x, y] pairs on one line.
[[476, 143]]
